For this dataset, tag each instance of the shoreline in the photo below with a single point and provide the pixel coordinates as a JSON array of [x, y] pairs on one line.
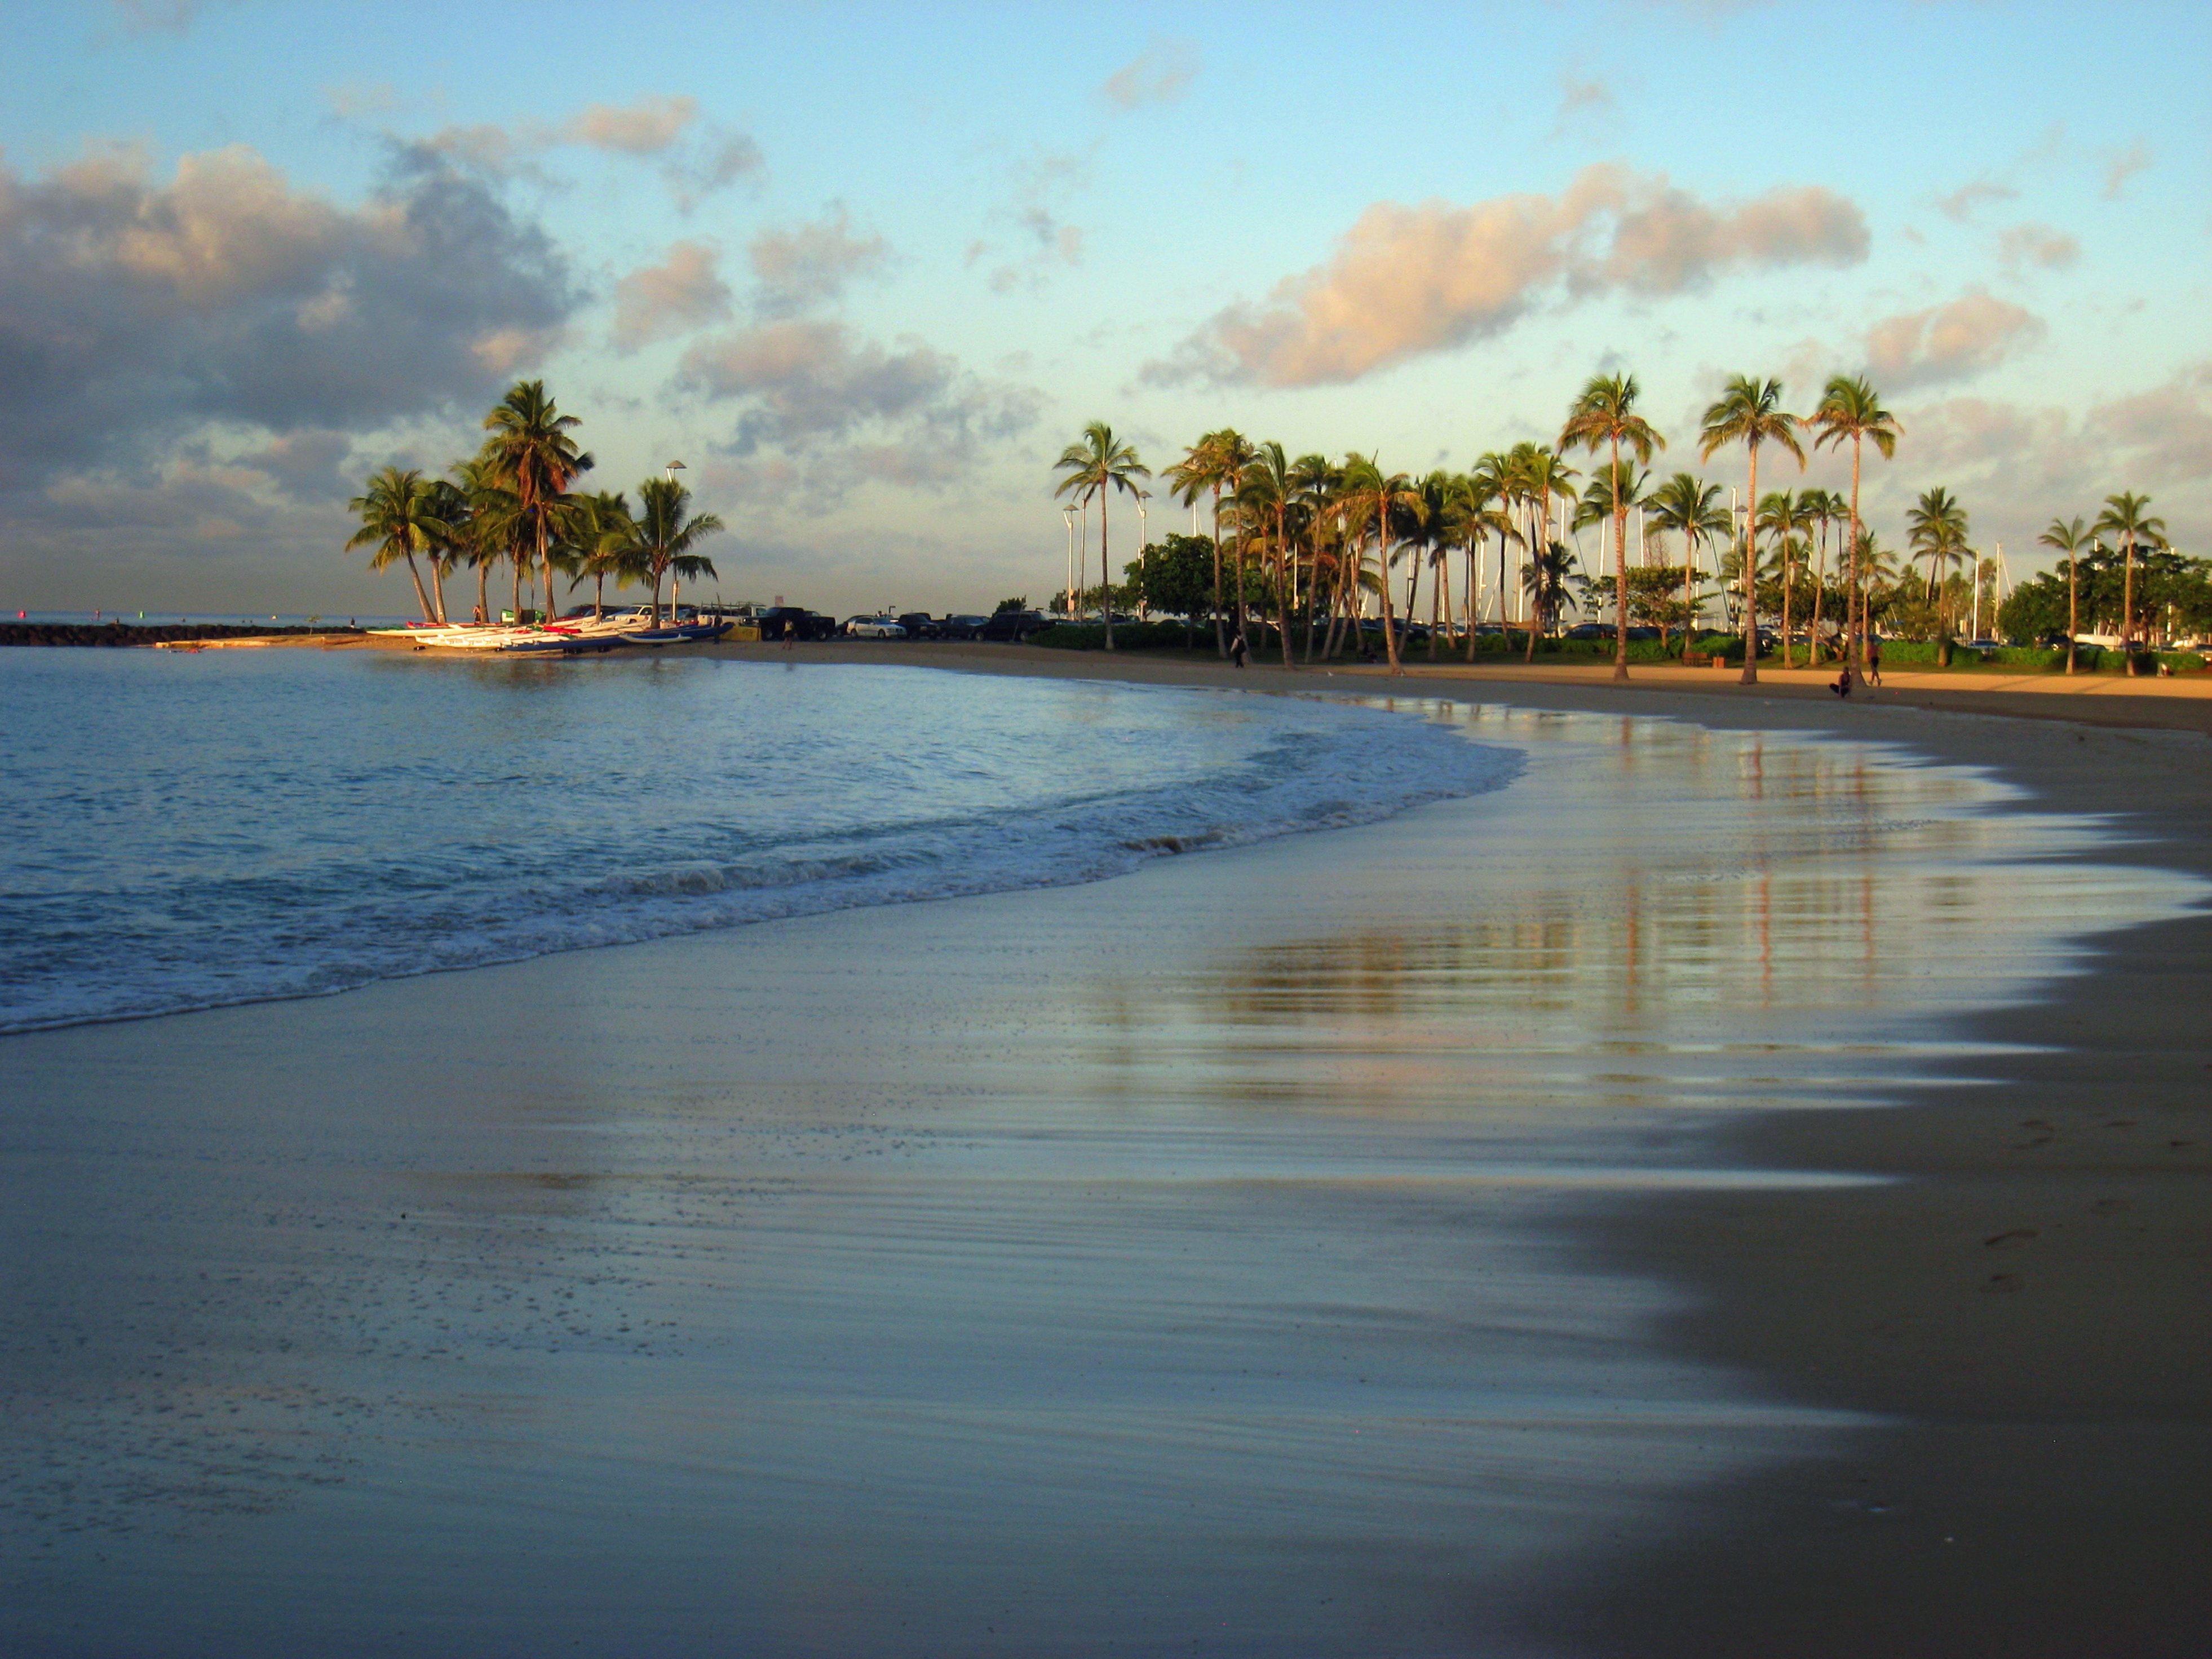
[[2026, 1300], [2052, 1394], [2053, 1428]]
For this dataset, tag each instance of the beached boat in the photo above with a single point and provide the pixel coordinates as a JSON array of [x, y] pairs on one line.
[[679, 634]]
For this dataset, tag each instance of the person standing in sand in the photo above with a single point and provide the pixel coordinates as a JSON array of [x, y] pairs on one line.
[[1236, 650], [1873, 660]]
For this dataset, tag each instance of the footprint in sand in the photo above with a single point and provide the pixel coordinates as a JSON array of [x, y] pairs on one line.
[[2003, 1284], [2017, 1236], [2109, 1205]]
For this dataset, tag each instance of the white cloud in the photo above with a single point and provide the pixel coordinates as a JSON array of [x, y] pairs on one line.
[[135, 308], [808, 265], [2038, 244], [1974, 332], [1160, 74], [1406, 280], [685, 291], [2122, 165]]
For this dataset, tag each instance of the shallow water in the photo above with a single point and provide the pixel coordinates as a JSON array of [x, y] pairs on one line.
[[184, 831], [1170, 1262]]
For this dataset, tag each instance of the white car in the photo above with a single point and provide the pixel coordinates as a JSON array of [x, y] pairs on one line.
[[873, 628]]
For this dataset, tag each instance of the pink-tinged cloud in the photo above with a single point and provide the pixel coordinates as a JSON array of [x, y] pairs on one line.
[[810, 264], [2038, 244], [683, 292], [1974, 332], [1408, 281]]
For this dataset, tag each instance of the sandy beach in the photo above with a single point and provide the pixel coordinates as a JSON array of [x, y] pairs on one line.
[[1739, 1190]]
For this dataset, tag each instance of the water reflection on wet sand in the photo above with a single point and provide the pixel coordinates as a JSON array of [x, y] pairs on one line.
[[1169, 1260]]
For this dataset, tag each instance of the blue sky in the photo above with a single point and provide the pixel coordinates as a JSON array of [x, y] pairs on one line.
[[867, 270]]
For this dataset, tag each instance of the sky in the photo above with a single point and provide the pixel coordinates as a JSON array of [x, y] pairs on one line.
[[866, 270]]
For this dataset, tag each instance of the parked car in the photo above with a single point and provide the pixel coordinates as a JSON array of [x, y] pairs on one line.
[[1013, 626], [797, 623], [963, 627], [920, 625], [872, 627], [1590, 631]]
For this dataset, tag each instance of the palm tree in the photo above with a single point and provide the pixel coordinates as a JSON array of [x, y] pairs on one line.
[[1378, 497], [1546, 579], [1604, 415], [1851, 408], [1264, 497], [1690, 507], [1098, 464], [1313, 480], [399, 519], [2066, 536], [1785, 515], [1749, 412], [1935, 530], [611, 544], [538, 460], [1597, 506], [1476, 517], [665, 538], [2124, 516]]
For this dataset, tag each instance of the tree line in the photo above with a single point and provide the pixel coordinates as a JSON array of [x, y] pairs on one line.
[[1322, 540], [513, 503]]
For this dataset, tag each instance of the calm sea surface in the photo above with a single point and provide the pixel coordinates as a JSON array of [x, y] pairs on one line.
[[184, 831]]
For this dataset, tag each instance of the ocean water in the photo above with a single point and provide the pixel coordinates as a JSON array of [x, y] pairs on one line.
[[186, 831]]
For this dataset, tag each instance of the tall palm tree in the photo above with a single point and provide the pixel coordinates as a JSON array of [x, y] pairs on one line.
[[1548, 576], [399, 519], [1935, 530], [1477, 516], [1264, 498], [539, 460], [1749, 412], [1098, 464], [1312, 481], [2124, 516], [1543, 477], [1380, 497], [1688, 506], [1597, 506], [1851, 410], [2067, 536], [1605, 416], [609, 542], [666, 537], [1786, 516]]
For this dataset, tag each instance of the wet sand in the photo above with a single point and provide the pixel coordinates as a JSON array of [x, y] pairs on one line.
[[1382, 1242]]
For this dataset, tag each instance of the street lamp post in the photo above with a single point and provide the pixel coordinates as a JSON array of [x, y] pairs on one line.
[[1144, 564], [676, 589]]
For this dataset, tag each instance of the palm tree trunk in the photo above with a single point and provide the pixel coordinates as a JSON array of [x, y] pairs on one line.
[[1220, 639], [484, 593], [1786, 574], [1440, 611], [1105, 571], [2128, 606], [438, 588], [1751, 579], [2073, 609], [1689, 563], [1389, 621], [544, 564], [1285, 567], [599, 594], [517, 561], [1857, 620], [421, 596], [1620, 571], [1473, 564]]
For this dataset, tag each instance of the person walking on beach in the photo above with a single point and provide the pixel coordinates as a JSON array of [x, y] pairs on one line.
[[1874, 661], [1236, 650]]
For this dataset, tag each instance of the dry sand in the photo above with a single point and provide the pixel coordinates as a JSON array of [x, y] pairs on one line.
[[305, 1299]]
